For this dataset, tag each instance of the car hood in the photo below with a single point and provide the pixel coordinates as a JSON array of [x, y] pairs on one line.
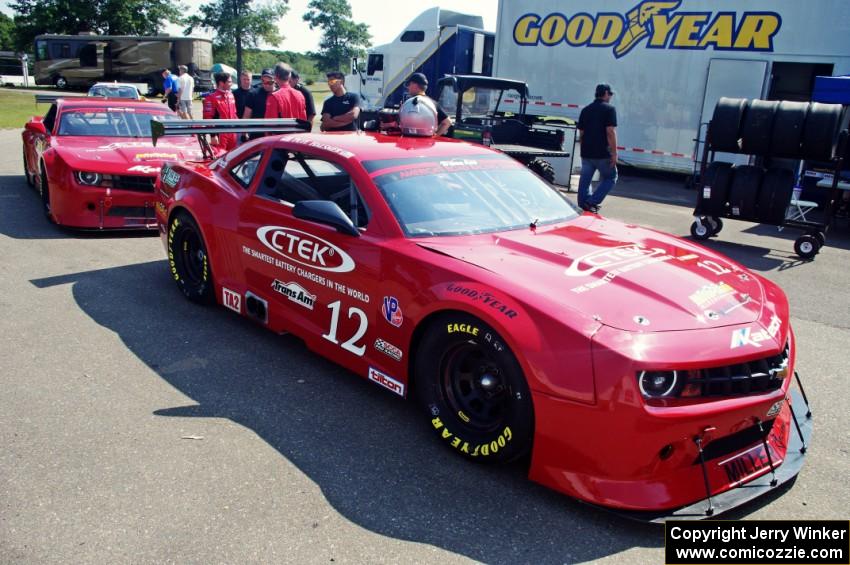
[[119, 155], [625, 276]]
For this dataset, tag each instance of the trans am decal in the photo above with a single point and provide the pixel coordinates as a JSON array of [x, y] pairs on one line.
[[296, 293], [656, 22]]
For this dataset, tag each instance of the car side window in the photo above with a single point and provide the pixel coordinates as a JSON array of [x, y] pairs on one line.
[[244, 171], [50, 119], [291, 177]]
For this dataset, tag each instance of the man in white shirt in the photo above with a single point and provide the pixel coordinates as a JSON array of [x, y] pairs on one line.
[[187, 91]]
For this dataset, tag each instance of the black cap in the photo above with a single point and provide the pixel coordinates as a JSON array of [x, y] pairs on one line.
[[418, 78], [268, 73], [603, 89]]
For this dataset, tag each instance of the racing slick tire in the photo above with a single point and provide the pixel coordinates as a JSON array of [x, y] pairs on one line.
[[744, 192], [725, 127], [820, 135], [775, 195], [544, 169], [718, 179], [60, 82], [757, 128], [473, 390], [27, 175], [188, 260], [788, 129], [44, 191]]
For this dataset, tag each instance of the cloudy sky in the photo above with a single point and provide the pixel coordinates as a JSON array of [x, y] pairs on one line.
[[384, 24]]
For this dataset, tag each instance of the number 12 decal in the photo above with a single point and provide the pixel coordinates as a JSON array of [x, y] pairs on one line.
[[348, 345]]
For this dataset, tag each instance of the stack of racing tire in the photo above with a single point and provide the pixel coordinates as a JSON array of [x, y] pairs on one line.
[[767, 130]]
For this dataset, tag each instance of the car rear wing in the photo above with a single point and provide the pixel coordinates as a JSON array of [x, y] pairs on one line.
[[202, 128], [51, 98]]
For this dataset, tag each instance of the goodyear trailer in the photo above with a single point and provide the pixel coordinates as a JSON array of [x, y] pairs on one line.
[[669, 62]]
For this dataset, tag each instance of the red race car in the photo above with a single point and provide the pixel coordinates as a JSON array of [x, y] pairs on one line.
[[641, 372], [93, 162]]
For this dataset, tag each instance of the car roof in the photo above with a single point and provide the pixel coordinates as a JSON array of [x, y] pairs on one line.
[[368, 146], [114, 84]]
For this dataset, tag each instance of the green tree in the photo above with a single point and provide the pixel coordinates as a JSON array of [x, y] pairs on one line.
[[7, 33], [116, 17], [342, 38], [241, 24]]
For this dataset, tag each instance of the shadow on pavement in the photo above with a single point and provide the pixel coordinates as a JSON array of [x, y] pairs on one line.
[[21, 216], [371, 454]]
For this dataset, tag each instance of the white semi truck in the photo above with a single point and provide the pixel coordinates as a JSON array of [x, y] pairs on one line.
[[668, 61]]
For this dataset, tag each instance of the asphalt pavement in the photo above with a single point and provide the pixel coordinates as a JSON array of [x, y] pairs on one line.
[[136, 427]]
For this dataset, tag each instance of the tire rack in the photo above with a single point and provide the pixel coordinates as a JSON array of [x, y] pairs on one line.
[[807, 245]]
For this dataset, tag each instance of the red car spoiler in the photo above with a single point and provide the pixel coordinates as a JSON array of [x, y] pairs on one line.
[[201, 128]]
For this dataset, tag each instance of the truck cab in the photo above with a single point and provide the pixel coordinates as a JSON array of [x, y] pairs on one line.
[[436, 43]]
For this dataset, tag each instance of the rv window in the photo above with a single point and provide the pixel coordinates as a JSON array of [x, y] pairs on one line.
[[413, 36], [88, 55], [41, 51], [376, 63]]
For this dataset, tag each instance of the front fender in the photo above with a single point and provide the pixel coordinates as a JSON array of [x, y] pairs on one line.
[[555, 357]]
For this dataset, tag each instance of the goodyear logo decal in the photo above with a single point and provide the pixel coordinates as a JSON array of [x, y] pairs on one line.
[[655, 22]]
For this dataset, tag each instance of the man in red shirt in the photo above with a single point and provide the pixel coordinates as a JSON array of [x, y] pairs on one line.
[[286, 102], [220, 105]]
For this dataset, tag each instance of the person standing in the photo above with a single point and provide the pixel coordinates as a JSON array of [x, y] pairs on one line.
[[242, 93], [285, 102], [417, 85], [255, 104], [295, 82], [220, 105], [170, 88], [597, 126], [187, 92], [341, 111]]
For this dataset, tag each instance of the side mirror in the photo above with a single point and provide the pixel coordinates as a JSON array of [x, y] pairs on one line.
[[354, 66], [36, 127], [325, 212]]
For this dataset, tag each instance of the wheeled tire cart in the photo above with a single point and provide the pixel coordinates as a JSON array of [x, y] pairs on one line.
[[753, 193]]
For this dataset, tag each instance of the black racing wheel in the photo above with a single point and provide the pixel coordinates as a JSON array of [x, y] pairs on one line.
[[44, 190], [473, 390], [189, 261]]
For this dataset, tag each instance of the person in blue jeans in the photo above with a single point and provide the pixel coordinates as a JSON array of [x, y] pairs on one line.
[[597, 125]]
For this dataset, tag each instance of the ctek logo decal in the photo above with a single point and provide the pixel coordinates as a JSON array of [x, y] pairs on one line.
[[655, 22], [386, 381], [746, 336], [586, 265], [305, 249], [296, 293]]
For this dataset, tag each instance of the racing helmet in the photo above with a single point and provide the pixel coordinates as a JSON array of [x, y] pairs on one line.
[[418, 117]]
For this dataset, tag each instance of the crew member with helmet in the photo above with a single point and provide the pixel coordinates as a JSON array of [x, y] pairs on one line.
[[220, 105], [417, 84]]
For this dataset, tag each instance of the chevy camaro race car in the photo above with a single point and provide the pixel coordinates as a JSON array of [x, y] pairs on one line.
[[641, 372], [93, 162]]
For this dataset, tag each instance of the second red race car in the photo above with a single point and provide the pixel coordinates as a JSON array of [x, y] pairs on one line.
[[93, 162], [640, 371]]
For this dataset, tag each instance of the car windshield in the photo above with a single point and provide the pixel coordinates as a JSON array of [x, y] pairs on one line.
[[115, 92], [486, 193], [110, 122], [478, 101]]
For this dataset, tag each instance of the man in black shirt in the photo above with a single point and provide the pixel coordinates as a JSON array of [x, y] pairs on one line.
[[295, 82], [597, 125], [255, 104], [340, 111], [242, 93], [417, 84]]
